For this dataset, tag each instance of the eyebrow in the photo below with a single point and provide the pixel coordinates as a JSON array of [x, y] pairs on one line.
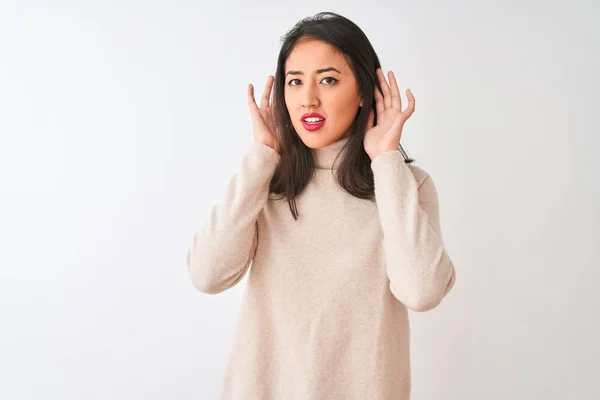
[[319, 71]]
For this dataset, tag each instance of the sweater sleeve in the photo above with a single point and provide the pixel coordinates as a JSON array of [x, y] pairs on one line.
[[221, 252], [420, 271]]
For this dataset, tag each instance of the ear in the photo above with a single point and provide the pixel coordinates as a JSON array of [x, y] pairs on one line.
[[361, 101]]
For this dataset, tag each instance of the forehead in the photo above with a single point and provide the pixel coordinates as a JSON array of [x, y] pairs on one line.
[[309, 55]]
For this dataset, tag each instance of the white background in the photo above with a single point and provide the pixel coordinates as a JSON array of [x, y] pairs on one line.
[[122, 122]]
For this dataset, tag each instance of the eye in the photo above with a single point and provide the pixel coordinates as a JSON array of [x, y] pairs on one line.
[[333, 81]]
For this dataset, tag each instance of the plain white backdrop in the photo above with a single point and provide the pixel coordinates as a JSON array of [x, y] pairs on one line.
[[122, 122]]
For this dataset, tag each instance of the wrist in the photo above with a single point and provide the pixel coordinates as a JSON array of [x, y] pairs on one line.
[[379, 152]]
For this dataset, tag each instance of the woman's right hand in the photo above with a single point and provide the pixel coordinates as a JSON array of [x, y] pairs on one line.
[[262, 118]]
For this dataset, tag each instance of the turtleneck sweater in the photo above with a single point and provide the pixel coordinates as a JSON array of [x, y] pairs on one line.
[[325, 309]]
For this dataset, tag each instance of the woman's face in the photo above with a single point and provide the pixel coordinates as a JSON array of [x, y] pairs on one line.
[[334, 94]]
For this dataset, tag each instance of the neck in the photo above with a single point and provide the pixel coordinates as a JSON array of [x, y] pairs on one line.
[[325, 156]]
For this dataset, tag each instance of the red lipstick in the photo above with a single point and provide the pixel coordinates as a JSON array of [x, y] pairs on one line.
[[312, 126]]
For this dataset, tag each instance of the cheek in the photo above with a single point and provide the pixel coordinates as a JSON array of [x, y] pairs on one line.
[[289, 104], [345, 113]]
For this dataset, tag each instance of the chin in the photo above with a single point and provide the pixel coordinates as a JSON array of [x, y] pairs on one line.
[[316, 139]]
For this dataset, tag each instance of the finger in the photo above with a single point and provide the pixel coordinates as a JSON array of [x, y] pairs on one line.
[[251, 101], [379, 106], [385, 88], [264, 102], [411, 102], [396, 99]]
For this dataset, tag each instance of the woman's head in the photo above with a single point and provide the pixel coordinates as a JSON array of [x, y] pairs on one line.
[[343, 95], [319, 79]]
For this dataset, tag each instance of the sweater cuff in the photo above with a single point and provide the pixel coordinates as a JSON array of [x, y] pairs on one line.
[[385, 158], [263, 155]]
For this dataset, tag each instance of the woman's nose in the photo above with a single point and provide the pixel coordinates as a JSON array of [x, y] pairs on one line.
[[309, 98], [310, 101]]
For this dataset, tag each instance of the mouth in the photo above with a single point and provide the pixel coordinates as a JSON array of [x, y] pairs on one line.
[[312, 121], [313, 126]]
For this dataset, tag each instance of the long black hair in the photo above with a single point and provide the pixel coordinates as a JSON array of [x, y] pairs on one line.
[[296, 166]]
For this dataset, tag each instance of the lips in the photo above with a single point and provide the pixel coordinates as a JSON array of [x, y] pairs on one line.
[[312, 115], [312, 126]]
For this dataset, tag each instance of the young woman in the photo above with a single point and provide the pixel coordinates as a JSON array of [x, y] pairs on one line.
[[342, 232]]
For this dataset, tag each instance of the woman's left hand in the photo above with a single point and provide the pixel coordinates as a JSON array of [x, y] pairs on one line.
[[390, 117]]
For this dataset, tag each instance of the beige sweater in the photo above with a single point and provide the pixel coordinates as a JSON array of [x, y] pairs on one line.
[[324, 314]]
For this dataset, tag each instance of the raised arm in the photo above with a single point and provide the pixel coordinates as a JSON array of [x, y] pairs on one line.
[[420, 271], [222, 250]]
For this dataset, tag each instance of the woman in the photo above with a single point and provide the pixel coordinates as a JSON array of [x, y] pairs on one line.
[[342, 231]]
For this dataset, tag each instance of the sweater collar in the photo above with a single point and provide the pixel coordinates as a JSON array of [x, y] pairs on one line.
[[325, 156]]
